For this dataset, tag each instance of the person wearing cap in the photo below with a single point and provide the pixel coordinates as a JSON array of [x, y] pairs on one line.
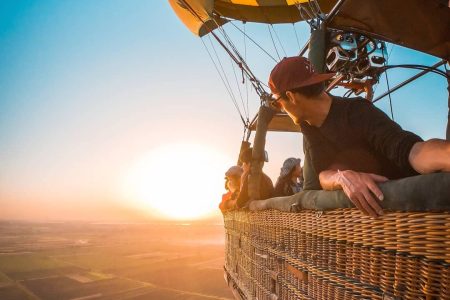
[[265, 185], [232, 185], [350, 144], [290, 180]]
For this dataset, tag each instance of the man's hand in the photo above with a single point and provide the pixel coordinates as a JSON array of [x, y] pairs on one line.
[[360, 188]]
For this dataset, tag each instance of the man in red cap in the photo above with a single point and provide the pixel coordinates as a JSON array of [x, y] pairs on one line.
[[349, 143]]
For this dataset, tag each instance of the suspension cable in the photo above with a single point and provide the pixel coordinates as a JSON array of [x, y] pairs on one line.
[[296, 36], [388, 85], [238, 60], [279, 41], [241, 62], [254, 42], [237, 57], [223, 70], [239, 89], [389, 55], [245, 57], [223, 81], [273, 42]]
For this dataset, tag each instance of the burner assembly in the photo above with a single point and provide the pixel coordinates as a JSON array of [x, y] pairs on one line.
[[357, 58]]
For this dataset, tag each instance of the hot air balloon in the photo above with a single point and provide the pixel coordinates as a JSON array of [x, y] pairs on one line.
[[327, 250]]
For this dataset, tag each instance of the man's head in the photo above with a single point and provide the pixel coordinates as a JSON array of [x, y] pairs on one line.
[[293, 80]]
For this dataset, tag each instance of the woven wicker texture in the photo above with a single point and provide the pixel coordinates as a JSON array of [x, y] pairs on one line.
[[340, 254]]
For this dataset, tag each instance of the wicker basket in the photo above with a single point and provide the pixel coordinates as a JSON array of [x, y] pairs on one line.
[[340, 254]]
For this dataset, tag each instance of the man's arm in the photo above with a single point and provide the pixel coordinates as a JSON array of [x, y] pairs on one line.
[[403, 148], [430, 156], [384, 136], [425, 157]]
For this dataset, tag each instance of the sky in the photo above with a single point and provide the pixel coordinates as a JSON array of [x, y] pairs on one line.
[[92, 92]]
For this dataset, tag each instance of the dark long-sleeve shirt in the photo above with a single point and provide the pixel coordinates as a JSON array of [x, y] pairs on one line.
[[358, 136]]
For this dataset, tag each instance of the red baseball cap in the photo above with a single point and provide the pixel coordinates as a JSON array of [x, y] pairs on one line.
[[294, 72]]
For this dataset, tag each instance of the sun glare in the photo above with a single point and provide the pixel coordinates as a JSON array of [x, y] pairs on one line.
[[179, 181]]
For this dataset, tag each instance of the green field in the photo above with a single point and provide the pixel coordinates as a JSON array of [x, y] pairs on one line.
[[29, 266], [100, 261], [13, 293], [64, 288], [28, 263]]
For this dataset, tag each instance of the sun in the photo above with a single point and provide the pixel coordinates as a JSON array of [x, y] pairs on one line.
[[177, 181]]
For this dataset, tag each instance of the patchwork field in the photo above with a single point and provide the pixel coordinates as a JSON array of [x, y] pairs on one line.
[[111, 261]]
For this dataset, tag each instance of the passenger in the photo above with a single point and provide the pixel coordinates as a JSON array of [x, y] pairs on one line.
[[290, 180], [265, 185], [232, 185], [349, 143]]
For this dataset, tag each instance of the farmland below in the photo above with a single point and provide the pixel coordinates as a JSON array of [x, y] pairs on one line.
[[81, 261]]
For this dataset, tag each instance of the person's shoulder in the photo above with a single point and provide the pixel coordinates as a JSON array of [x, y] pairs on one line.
[[355, 102], [357, 108], [342, 107]]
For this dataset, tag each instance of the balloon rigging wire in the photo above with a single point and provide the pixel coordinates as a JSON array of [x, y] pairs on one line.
[[254, 42], [223, 81], [296, 36], [257, 84], [273, 42], [245, 57], [348, 93], [389, 55], [279, 41], [239, 89], [386, 60], [238, 60], [221, 67], [230, 42]]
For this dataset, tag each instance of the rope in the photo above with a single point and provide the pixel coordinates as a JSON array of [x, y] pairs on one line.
[[239, 89], [296, 36], [389, 55], [254, 42], [223, 81], [386, 60], [273, 42], [279, 41], [223, 71], [392, 49], [348, 94], [238, 60], [245, 57]]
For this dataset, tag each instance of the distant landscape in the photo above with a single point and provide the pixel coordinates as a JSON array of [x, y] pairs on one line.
[[79, 261]]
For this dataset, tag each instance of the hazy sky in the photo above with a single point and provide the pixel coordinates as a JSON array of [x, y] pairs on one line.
[[87, 88]]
